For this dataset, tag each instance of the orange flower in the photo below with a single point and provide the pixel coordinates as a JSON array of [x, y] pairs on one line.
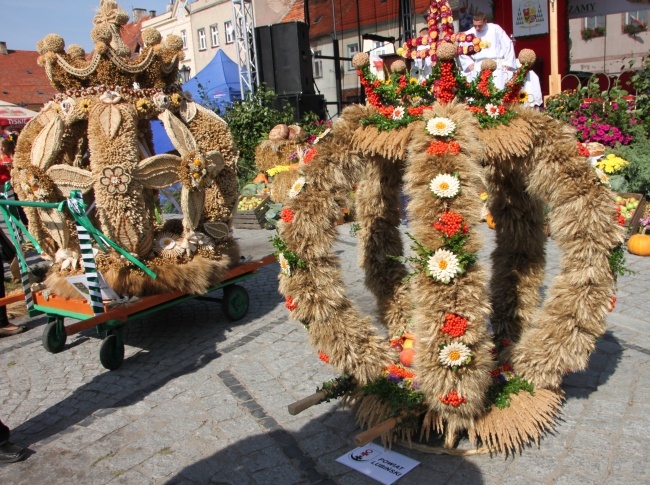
[[400, 371], [324, 357]]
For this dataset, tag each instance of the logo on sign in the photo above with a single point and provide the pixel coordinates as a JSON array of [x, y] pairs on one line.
[[366, 454], [529, 14]]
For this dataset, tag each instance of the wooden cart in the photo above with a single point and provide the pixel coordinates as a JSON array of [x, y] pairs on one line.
[[109, 317]]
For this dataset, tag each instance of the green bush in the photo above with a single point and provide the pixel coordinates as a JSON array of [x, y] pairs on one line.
[[250, 121], [637, 173]]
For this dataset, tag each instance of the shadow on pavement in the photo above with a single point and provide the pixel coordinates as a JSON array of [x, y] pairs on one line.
[[178, 342], [309, 456]]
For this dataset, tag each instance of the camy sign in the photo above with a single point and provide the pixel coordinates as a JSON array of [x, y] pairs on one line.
[[593, 8]]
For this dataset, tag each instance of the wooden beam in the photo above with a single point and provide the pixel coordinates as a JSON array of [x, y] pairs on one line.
[[555, 80]]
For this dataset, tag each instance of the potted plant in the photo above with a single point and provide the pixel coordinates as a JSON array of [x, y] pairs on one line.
[[589, 33], [635, 28]]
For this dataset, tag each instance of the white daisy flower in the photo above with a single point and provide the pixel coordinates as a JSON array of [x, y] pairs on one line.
[[398, 113], [492, 110], [167, 246], [443, 265], [454, 354], [441, 126], [297, 187], [285, 267], [445, 185]]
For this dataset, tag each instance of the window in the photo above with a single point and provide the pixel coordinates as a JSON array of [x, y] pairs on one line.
[[639, 17], [202, 43], [184, 38], [593, 22], [230, 32], [379, 47], [318, 65], [214, 34], [352, 50]]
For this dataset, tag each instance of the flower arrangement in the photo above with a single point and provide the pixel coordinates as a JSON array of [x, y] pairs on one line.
[[611, 164], [589, 33], [399, 100]]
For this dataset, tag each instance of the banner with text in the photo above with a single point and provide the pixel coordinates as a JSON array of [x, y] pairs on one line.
[[529, 17], [593, 8]]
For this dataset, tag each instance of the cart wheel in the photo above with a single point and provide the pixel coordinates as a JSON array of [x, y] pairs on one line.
[[111, 352], [235, 302], [54, 336]]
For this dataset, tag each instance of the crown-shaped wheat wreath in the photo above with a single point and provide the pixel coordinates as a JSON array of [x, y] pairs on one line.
[[446, 369], [95, 137]]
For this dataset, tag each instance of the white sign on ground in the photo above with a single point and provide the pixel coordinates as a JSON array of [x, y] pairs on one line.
[[378, 463]]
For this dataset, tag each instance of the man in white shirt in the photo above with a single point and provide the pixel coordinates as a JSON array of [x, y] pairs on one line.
[[496, 45]]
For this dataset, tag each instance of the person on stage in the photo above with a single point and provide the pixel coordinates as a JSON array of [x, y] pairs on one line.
[[495, 44]]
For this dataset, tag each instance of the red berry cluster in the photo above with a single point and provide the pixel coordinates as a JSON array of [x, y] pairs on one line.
[[309, 156], [476, 109], [453, 399], [512, 96], [400, 371], [620, 218], [501, 369], [454, 325], [373, 98], [612, 304], [451, 223], [437, 147], [290, 304], [484, 83], [287, 214], [417, 110], [582, 150], [324, 357], [386, 111], [445, 87]]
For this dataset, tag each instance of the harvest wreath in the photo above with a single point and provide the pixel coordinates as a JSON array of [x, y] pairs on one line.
[[95, 137], [443, 370]]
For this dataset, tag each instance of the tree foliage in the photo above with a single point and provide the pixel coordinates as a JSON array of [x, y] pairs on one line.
[[250, 121]]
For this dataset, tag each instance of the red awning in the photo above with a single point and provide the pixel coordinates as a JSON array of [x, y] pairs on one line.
[[14, 117]]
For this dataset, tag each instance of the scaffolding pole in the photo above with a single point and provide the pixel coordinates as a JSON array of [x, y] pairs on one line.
[[244, 26]]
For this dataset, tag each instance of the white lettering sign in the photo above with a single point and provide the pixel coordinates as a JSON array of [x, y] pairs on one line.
[[380, 464], [593, 8]]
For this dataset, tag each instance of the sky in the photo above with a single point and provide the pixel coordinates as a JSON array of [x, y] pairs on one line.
[[25, 22]]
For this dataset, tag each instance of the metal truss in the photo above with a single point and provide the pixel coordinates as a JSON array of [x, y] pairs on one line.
[[244, 25]]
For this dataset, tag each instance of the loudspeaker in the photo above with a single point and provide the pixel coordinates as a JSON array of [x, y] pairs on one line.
[[264, 48], [303, 104], [294, 73], [284, 57]]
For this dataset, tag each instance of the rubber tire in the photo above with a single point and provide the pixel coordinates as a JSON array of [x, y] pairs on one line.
[[235, 302], [53, 342], [111, 352]]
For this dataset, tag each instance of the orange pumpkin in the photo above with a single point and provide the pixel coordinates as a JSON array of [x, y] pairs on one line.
[[490, 221], [639, 244], [261, 178]]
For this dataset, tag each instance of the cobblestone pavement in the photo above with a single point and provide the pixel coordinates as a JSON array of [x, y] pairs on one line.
[[200, 399]]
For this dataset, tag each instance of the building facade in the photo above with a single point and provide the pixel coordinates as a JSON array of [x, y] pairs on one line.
[[607, 43]]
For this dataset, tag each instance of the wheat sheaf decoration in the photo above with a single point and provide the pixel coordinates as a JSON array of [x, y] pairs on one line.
[[95, 137], [467, 352]]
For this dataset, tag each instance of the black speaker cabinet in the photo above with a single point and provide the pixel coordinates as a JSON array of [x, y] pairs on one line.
[[284, 58], [303, 104], [264, 48]]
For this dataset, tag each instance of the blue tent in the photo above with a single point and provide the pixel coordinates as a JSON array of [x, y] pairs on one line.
[[216, 85]]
